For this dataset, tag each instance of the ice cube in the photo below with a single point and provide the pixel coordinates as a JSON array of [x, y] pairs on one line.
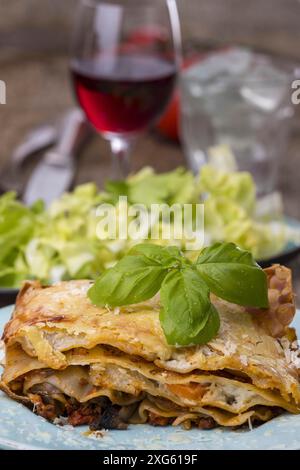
[[265, 86], [233, 61]]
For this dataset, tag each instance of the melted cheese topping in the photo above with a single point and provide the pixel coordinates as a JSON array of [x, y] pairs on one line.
[[57, 337]]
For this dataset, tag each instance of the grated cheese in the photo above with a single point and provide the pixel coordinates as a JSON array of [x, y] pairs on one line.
[[229, 348], [2, 353], [291, 352], [107, 308], [250, 424], [178, 364], [60, 421], [244, 359]]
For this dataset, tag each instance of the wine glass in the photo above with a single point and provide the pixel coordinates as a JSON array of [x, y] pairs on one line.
[[126, 54]]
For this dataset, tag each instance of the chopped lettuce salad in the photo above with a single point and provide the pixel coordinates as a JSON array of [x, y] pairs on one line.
[[61, 243]]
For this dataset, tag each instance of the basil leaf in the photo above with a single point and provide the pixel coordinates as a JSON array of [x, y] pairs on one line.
[[208, 332], [186, 308], [233, 275], [167, 256], [133, 279], [211, 328]]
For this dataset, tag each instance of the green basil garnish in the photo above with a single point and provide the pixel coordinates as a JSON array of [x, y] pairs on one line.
[[187, 315]]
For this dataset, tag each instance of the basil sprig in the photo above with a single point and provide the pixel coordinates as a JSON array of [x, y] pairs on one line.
[[233, 275], [187, 315]]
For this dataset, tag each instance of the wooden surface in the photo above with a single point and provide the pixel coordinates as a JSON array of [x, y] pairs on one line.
[[34, 65]]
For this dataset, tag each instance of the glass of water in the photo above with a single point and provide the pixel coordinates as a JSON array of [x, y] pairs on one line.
[[236, 111]]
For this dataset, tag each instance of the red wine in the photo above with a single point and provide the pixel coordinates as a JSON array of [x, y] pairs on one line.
[[125, 95]]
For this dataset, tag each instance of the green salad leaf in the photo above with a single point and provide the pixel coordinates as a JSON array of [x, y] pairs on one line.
[[236, 186], [62, 242], [147, 187], [16, 225]]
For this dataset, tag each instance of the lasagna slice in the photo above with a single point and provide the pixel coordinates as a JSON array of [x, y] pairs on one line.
[[71, 361]]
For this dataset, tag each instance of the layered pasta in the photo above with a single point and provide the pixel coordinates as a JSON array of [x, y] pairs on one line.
[[73, 362]]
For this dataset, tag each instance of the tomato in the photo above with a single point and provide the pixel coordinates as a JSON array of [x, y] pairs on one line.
[[168, 125], [146, 36]]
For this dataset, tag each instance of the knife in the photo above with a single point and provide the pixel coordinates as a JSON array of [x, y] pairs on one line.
[[39, 139], [54, 174]]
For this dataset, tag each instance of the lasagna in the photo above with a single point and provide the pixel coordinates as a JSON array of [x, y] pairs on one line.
[[75, 363]]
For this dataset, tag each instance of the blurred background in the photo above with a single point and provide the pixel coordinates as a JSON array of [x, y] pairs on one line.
[[34, 47], [34, 63]]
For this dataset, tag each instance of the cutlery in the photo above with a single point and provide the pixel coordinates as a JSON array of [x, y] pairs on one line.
[[55, 172], [36, 140]]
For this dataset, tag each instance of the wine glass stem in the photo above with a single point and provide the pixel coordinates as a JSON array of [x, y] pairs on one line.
[[120, 149]]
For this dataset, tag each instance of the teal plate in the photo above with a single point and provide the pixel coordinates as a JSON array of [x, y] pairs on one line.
[[21, 429]]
